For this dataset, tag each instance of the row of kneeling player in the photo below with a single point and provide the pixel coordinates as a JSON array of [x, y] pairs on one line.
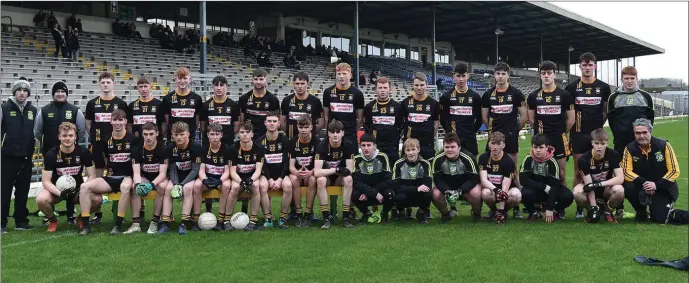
[[646, 174]]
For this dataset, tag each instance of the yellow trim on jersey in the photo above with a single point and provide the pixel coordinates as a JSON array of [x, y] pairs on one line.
[[471, 161], [671, 164], [628, 167]]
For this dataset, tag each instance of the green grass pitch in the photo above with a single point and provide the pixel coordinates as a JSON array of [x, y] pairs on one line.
[[566, 251]]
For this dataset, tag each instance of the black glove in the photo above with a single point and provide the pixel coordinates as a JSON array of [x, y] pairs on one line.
[[500, 195], [246, 184], [593, 215], [65, 194], [590, 187], [343, 171]]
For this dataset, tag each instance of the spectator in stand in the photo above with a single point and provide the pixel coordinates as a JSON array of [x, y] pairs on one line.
[[40, 19], [79, 27], [52, 20], [263, 59], [67, 48], [374, 77], [72, 21], [59, 39], [74, 44]]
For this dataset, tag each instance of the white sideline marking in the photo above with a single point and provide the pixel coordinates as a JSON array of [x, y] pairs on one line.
[[38, 240]]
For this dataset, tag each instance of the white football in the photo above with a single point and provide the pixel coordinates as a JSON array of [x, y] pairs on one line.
[[239, 220], [207, 221], [66, 182]]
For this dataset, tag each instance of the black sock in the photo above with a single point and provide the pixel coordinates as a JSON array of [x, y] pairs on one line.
[[99, 214], [118, 221], [52, 219], [245, 206], [156, 218], [136, 219]]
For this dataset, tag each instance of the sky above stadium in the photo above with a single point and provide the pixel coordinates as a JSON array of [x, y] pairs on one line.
[[663, 24]]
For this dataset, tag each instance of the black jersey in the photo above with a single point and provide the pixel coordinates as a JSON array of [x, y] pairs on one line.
[[460, 112], [294, 108], [149, 159], [303, 153], [183, 107], [182, 159], [550, 116], [537, 175], [245, 160], [256, 108], [459, 174], [225, 113], [99, 111], [385, 120], [496, 170], [118, 153], [503, 109], [408, 176], [215, 162], [343, 105], [589, 99], [276, 156], [71, 164], [334, 157], [600, 169], [142, 112], [420, 118]]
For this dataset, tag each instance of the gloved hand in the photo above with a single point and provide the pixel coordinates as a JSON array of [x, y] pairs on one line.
[[246, 184], [593, 215], [212, 183], [590, 187], [343, 171], [177, 191], [500, 195], [143, 189], [452, 196], [65, 194]]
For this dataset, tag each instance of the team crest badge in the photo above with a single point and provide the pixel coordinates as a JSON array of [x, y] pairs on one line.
[[509, 98], [557, 98], [428, 108], [412, 173], [470, 100], [453, 169], [369, 168], [659, 156], [630, 100], [192, 102], [68, 114], [267, 105], [597, 90], [78, 159], [153, 109], [30, 114], [392, 110], [308, 107], [114, 107]]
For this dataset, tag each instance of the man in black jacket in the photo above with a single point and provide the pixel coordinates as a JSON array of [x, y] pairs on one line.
[[540, 175], [17, 117], [48, 121], [650, 174], [372, 179]]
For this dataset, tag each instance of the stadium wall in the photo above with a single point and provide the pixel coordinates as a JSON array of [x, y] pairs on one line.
[[24, 17]]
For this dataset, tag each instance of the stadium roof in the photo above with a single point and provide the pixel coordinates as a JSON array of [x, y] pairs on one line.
[[472, 25]]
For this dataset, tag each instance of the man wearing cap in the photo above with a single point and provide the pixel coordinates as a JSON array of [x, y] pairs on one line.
[[17, 117], [48, 121]]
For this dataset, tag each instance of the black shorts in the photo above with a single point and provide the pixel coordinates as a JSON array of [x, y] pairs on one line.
[[580, 142], [114, 183], [427, 152], [150, 177], [214, 176], [333, 179], [561, 145], [469, 144], [97, 155], [351, 138], [511, 144], [393, 155]]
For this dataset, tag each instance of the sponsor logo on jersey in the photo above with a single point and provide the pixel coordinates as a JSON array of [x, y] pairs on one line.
[[332, 164], [418, 117], [342, 107], [495, 179], [143, 119], [103, 117], [304, 160], [461, 110], [72, 171], [549, 109], [222, 120], [151, 168], [274, 158], [383, 120], [183, 165], [501, 109], [120, 157], [296, 115], [215, 170], [587, 100], [183, 112], [256, 112], [246, 168], [600, 176]]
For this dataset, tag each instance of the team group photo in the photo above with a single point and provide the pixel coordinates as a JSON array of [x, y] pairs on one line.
[[428, 166]]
